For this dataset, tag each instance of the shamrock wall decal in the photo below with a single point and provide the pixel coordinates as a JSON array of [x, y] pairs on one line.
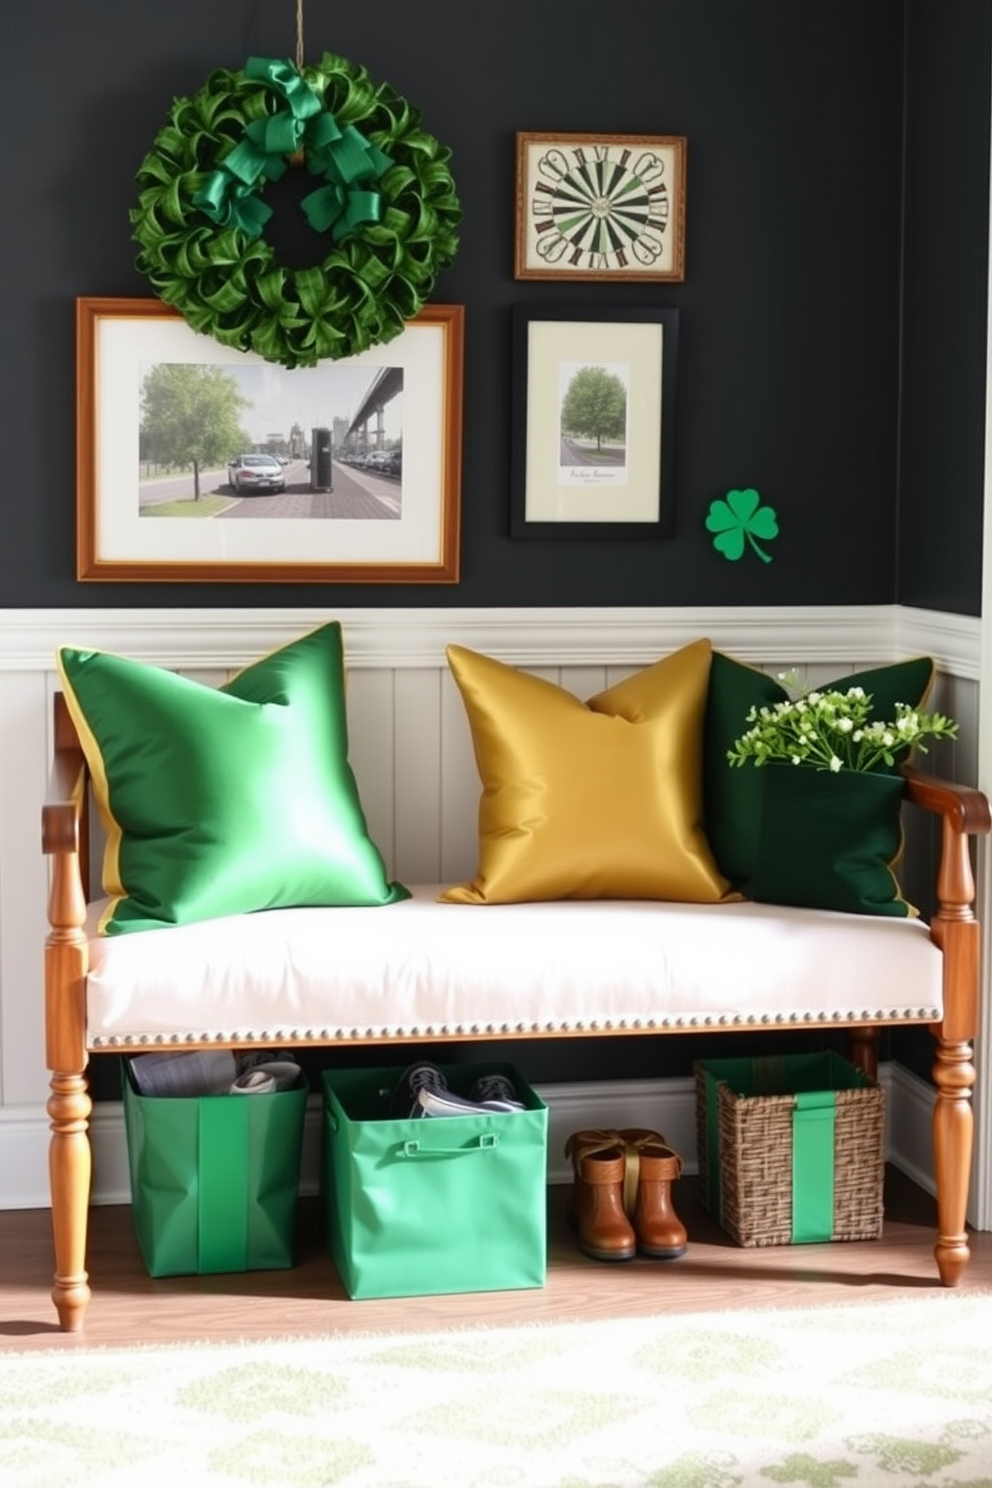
[[738, 518]]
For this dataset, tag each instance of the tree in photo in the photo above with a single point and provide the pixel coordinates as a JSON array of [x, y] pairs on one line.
[[190, 417], [595, 406]]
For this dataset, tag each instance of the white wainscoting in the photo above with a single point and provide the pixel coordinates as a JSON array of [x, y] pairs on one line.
[[411, 752]]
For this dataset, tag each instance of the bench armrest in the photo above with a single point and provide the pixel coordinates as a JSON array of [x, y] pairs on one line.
[[64, 830], [964, 814]]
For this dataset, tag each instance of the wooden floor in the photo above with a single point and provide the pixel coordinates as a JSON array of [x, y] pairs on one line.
[[129, 1307]]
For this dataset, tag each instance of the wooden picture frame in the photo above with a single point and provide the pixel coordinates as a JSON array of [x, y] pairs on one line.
[[593, 434], [336, 521], [600, 206]]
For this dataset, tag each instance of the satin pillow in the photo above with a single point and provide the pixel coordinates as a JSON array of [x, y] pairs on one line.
[[220, 801], [743, 807], [594, 800]]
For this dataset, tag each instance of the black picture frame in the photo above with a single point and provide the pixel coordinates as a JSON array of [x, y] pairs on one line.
[[626, 489]]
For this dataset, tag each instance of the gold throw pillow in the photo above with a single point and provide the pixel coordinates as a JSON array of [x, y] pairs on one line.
[[589, 800]]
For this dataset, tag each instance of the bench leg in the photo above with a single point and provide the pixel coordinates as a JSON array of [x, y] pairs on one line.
[[953, 1126], [69, 1166], [862, 1048]]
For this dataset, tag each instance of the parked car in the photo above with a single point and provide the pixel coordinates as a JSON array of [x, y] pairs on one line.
[[256, 473]]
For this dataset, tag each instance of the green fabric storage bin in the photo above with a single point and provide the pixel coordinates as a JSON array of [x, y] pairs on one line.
[[791, 1148], [421, 1206], [214, 1179]]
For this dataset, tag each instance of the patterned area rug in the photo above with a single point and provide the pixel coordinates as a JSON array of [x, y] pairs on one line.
[[898, 1394]]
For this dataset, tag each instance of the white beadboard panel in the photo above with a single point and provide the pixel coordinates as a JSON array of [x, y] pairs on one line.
[[586, 681], [371, 742], [461, 789], [418, 775], [24, 755]]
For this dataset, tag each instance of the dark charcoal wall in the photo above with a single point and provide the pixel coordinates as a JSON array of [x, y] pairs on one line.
[[790, 309], [946, 265]]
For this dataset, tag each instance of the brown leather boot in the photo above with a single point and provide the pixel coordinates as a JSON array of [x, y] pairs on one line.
[[660, 1233], [596, 1209]]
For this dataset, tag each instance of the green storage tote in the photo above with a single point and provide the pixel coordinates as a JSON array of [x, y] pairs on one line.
[[214, 1179], [420, 1206]]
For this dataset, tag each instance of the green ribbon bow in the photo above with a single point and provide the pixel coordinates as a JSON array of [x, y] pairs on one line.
[[227, 279], [349, 163]]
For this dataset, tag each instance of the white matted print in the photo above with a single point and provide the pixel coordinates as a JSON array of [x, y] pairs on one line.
[[594, 421], [348, 471]]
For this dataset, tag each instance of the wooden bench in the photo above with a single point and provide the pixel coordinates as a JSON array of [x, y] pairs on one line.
[[508, 972]]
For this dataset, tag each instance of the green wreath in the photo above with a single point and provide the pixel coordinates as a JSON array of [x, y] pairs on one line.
[[387, 202]]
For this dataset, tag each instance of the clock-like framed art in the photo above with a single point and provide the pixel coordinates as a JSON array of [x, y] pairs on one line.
[[600, 206]]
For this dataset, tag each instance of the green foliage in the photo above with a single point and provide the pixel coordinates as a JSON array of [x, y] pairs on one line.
[[595, 405], [835, 731], [738, 518], [190, 416], [203, 506]]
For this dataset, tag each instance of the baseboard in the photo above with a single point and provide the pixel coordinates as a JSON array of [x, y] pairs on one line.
[[667, 1106], [910, 1099]]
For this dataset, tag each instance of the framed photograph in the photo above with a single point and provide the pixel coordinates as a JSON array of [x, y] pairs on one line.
[[196, 462], [600, 206], [593, 422]]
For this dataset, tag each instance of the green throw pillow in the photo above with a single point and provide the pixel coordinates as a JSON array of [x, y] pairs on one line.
[[221, 801], [734, 807]]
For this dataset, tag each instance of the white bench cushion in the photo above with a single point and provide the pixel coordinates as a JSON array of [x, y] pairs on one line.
[[423, 969]]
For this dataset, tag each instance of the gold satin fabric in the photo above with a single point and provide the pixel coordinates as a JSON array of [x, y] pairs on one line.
[[594, 800]]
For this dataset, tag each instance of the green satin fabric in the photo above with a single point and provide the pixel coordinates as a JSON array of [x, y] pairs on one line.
[[349, 163], [224, 801], [388, 201]]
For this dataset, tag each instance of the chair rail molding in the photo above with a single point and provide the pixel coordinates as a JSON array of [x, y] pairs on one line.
[[232, 637]]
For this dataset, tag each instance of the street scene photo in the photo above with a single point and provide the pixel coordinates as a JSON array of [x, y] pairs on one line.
[[258, 441]]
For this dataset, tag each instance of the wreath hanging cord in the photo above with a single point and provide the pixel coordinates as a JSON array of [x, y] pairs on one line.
[[387, 199]]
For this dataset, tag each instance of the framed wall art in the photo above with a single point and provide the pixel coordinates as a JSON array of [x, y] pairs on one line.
[[200, 463], [600, 206], [593, 436]]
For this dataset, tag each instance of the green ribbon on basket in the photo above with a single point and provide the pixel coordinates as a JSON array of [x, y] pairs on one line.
[[813, 1122], [813, 1156], [714, 1192]]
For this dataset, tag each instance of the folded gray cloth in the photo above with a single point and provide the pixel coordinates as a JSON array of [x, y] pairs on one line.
[[185, 1073], [263, 1079]]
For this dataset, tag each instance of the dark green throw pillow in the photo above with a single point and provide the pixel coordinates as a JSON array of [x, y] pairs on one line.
[[220, 801], [829, 841], [744, 844]]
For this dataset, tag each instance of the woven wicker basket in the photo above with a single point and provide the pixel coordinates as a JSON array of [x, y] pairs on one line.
[[752, 1193]]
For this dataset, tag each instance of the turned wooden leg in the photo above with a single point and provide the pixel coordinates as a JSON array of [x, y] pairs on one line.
[[69, 1166], [862, 1048], [953, 1124]]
